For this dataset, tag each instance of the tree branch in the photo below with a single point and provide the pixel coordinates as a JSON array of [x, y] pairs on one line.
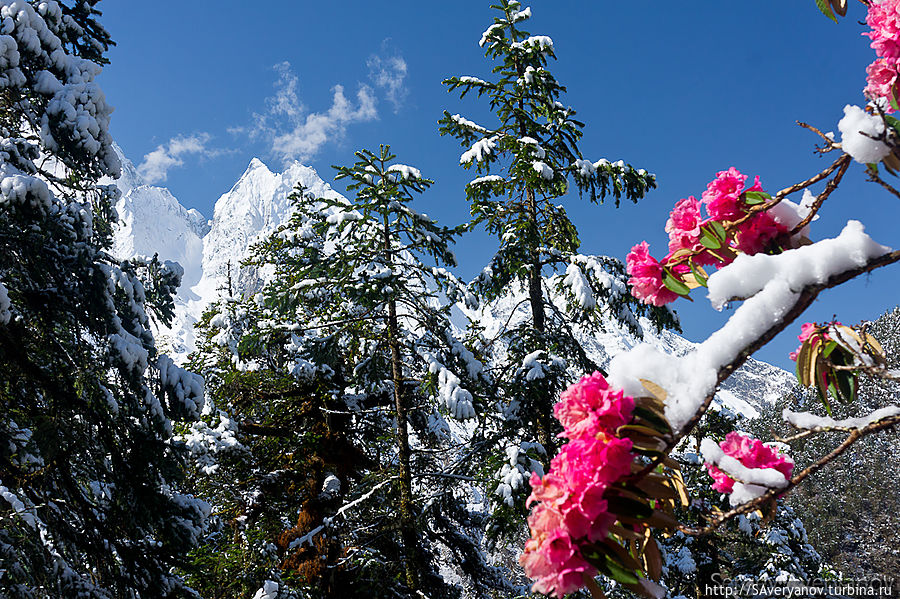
[[772, 494]]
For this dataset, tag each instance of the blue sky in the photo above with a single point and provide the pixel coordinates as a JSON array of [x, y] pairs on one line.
[[681, 89]]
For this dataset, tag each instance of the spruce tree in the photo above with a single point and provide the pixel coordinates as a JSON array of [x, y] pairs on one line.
[[88, 465], [354, 324], [526, 162]]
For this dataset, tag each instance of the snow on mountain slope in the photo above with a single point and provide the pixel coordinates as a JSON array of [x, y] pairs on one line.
[[750, 387], [254, 207], [152, 221]]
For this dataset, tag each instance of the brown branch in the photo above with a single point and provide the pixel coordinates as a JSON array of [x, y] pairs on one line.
[[806, 298], [772, 494], [873, 176], [820, 199], [839, 163], [829, 143], [878, 372]]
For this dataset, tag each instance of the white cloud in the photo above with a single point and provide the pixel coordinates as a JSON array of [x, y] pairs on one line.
[[389, 73], [296, 133], [155, 166]]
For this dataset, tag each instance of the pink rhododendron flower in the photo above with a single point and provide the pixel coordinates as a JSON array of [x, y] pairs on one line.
[[884, 19], [591, 405], [806, 331], [750, 452], [646, 277], [683, 225], [755, 235], [570, 510], [881, 77], [723, 195]]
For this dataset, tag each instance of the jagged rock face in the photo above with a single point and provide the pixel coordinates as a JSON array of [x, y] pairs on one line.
[[153, 221]]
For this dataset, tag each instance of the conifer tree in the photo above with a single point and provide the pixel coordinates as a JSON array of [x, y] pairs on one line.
[[355, 326], [87, 460], [527, 161]]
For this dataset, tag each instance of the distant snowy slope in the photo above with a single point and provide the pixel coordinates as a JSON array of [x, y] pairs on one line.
[[749, 388], [152, 221]]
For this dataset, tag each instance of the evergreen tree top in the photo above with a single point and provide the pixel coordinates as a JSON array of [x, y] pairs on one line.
[[534, 128]]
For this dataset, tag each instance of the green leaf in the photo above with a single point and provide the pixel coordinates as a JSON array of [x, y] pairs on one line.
[[675, 285], [753, 198], [709, 240], [829, 347], [893, 122], [846, 384], [698, 276], [719, 230], [825, 7], [619, 573], [894, 102]]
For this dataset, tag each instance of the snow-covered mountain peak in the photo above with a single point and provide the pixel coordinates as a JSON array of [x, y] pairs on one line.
[[151, 220], [253, 208], [130, 178]]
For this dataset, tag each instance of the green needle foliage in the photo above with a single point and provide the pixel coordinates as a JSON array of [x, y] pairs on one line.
[[352, 331], [88, 463], [527, 160]]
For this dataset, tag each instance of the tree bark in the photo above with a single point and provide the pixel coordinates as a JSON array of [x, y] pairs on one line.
[[407, 520]]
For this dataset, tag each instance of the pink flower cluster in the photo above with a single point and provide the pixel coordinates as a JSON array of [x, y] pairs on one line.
[[724, 201], [570, 509], [752, 453], [884, 20]]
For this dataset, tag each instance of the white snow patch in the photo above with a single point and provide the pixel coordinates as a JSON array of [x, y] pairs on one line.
[[856, 127]]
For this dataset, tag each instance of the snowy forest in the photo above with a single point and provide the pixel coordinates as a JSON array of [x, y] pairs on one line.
[[303, 396]]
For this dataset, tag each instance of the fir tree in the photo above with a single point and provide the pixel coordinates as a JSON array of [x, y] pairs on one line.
[[527, 161], [353, 310], [87, 460]]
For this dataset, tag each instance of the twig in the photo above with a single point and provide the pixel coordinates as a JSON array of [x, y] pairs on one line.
[[839, 163], [873, 176], [820, 199], [771, 494], [830, 145]]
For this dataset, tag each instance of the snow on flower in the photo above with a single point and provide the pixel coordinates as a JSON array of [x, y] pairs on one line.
[[570, 510], [857, 130], [755, 457]]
